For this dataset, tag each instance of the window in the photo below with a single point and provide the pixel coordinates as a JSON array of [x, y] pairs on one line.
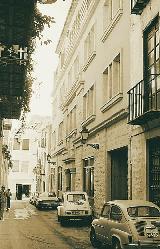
[[89, 44], [62, 56], [16, 144], [106, 14], [52, 179], [106, 211], [71, 120], [88, 103], [54, 140], [143, 211], [60, 178], [15, 167], [24, 166], [76, 68], [152, 66], [62, 92], [151, 40], [115, 6], [25, 144], [116, 213], [60, 131], [110, 9], [75, 197], [111, 79], [70, 79], [88, 176]]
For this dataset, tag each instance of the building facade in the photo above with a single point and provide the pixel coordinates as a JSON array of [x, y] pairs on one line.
[[90, 92], [144, 101]]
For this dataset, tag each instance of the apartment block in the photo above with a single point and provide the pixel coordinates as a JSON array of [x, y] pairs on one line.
[[90, 93]]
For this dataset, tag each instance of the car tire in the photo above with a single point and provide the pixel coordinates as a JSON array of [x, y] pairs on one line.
[[116, 244], [62, 221], [95, 243]]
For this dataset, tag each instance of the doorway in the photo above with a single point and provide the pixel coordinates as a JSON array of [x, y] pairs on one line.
[[19, 191], [119, 174], [154, 170]]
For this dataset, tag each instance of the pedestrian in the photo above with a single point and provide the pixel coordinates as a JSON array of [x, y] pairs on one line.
[[2, 202], [8, 196]]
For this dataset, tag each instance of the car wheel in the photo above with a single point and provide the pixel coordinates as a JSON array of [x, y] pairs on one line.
[[95, 243], [116, 244]]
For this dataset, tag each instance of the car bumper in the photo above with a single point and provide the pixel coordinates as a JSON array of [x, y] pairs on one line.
[[47, 205], [142, 246], [77, 217]]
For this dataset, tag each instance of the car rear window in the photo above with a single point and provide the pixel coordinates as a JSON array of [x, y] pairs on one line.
[[75, 197], [143, 211]]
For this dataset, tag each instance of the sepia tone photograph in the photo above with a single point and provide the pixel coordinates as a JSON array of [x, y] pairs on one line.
[[79, 124]]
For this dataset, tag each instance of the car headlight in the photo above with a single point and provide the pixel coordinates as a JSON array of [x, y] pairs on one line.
[[68, 212]]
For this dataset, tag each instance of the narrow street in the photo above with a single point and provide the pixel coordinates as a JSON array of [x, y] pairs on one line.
[[25, 227]]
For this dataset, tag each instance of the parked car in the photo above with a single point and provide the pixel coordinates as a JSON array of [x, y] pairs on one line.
[[44, 200], [125, 224], [75, 205]]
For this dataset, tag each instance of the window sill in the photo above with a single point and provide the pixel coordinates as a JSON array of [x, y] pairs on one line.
[[89, 120], [112, 102], [111, 26], [90, 59]]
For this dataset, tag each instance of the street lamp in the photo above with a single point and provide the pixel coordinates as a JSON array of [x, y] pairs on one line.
[[84, 136], [49, 159]]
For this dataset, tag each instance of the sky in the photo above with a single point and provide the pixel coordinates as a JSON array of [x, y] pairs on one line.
[[45, 59]]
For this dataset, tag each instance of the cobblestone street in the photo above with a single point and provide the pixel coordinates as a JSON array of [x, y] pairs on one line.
[[26, 227]]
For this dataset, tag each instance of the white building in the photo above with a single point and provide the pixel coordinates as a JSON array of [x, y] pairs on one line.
[[24, 151], [90, 92]]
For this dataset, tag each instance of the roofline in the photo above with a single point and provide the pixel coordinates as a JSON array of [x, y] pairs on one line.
[[66, 24]]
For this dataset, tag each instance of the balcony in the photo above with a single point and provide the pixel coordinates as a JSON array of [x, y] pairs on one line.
[[144, 101], [137, 6]]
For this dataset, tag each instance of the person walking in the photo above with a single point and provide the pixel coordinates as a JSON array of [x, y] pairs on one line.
[[2, 202], [8, 196]]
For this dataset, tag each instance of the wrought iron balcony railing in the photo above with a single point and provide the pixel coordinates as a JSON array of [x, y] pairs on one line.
[[144, 100], [137, 6]]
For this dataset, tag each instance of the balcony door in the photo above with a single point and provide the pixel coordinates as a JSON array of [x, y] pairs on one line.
[[152, 66]]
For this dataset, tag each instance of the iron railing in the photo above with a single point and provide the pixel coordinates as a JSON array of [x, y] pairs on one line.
[[144, 97], [137, 6]]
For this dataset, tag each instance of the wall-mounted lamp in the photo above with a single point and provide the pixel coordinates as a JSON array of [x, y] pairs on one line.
[[49, 159], [84, 136]]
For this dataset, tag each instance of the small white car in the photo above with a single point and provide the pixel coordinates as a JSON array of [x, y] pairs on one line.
[[75, 205]]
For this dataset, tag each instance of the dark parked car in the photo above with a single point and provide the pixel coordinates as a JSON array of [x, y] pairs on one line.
[[125, 224], [47, 201], [32, 198]]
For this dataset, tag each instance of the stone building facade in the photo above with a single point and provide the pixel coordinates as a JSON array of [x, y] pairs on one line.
[[90, 92], [107, 82], [144, 101]]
